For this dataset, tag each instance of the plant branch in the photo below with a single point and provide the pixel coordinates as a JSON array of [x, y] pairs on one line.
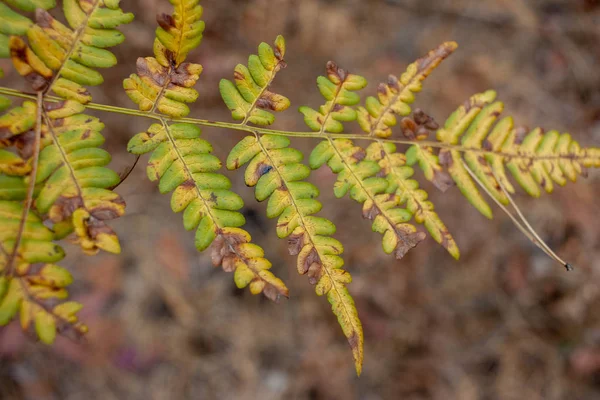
[[526, 229], [300, 134], [30, 185]]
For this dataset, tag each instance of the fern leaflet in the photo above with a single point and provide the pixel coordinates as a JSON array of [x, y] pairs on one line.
[[53, 172], [394, 98], [398, 174], [250, 98], [30, 283], [356, 175], [181, 160], [276, 171], [535, 159]]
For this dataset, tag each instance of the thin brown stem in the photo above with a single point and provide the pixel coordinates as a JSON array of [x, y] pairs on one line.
[[525, 227], [125, 174], [30, 186]]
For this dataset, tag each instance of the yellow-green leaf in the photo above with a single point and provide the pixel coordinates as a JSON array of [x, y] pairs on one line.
[[250, 99], [339, 89], [394, 97]]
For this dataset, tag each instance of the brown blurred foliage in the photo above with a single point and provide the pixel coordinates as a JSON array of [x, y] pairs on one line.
[[503, 323]]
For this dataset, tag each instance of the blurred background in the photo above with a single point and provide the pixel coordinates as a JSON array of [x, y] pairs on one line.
[[505, 322]]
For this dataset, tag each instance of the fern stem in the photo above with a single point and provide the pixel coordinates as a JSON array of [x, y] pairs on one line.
[[550, 252], [125, 174], [299, 134], [527, 230], [65, 158], [187, 170], [331, 107], [162, 91], [30, 185]]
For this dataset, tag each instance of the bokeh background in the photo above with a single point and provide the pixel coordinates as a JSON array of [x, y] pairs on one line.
[[503, 323]]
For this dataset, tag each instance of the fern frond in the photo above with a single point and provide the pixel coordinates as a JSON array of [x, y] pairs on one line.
[[360, 178], [339, 89], [277, 173], [356, 175], [54, 181], [74, 183], [250, 98], [36, 245], [164, 89], [394, 98], [180, 33], [398, 174], [429, 163], [63, 59], [30, 283], [535, 159], [182, 162], [33, 293], [72, 179], [234, 251], [164, 83]]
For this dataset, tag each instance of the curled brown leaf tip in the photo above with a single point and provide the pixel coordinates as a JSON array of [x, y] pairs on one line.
[[165, 21], [230, 251], [419, 126], [445, 158], [43, 18], [442, 181], [371, 212], [295, 244], [425, 120], [392, 83], [408, 242], [273, 294], [311, 258], [65, 206], [315, 271], [436, 56], [334, 71]]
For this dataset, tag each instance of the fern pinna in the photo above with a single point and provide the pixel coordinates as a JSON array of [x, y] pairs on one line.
[[54, 183], [277, 172], [181, 160]]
